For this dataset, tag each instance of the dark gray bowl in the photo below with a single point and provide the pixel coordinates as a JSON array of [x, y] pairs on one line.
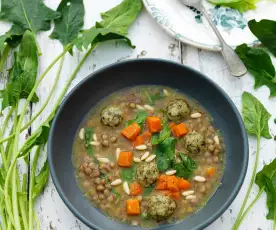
[[142, 72]]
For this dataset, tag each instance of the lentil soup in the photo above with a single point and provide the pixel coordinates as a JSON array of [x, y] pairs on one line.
[[148, 155]]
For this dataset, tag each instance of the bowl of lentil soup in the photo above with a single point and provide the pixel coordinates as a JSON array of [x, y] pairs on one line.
[[147, 144]]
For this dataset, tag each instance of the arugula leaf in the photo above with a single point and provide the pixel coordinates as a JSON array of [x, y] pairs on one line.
[[188, 162], [266, 180], [22, 76], [255, 116], [128, 174], [157, 138], [41, 180], [30, 15], [115, 193], [168, 147], [163, 163], [182, 171], [265, 31], [69, 25], [240, 5], [147, 191], [154, 97], [259, 64], [139, 119], [87, 139], [121, 16]]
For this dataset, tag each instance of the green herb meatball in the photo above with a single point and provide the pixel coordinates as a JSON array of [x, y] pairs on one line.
[[194, 142], [160, 207], [112, 116], [177, 109], [147, 174]]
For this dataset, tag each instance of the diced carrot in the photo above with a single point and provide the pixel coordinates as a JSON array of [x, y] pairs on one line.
[[133, 207], [125, 159], [175, 195], [172, 183], [172, 124], [184, 184], [131, 132], [142, 139], [154, 124], [211, 171], [135, 189], [180, 130], [162, 182]]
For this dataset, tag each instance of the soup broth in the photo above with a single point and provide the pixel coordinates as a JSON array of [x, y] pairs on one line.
[[148, 155]]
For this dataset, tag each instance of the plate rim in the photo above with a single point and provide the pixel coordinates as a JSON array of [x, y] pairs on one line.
[[187, 41]]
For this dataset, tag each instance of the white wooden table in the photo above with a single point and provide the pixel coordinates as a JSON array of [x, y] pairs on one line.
[[151, 42]]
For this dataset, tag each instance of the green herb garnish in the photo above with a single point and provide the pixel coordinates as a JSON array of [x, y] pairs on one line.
[[128, 174]]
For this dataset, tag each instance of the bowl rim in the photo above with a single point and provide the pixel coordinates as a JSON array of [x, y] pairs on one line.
[[70, 94]]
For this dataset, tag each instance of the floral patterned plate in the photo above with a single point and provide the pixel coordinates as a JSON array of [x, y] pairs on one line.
[[189, 26]]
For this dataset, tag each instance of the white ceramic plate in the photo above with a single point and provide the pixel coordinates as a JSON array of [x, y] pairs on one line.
[[190, 27]]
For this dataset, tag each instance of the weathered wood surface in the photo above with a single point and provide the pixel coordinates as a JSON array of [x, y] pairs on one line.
[[151, 42]]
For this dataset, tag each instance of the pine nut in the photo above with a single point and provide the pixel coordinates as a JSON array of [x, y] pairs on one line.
[[170, 172], [118, 150], [216, 139], [81, 134], [148, 107], [95, 143], [141, 147], [103, 159], [188, 193], [136, 159], [140, 107], [145, 156], [200, 179], [116, 182], [150, 158], [195, 115], [95, 137], [166, 92], [126, 188], [190, 197]]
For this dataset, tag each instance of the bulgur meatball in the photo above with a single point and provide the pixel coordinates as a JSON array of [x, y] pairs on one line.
[[194, 142], [112, 116], [177, 109], [160, 207], [147, 174]]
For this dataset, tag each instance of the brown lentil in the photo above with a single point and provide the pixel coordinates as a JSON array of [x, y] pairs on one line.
[[113, 139], [105, 143]]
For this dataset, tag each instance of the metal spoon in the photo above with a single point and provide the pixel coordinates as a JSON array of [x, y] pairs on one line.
[[233, 61]]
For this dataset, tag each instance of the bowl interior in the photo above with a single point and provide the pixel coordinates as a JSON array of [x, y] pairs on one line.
[[143, 72]]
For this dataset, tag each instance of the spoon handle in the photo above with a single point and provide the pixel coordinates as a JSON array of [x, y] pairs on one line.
[[234, 63]]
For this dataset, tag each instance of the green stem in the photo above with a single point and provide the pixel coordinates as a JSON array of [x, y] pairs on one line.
[[9, 225], [4, 57], [34, 89], [250, 185], [22, 203], [9, 147], [17, 224], [3, 218], [2, 132], [36, 221], [31, 185], [39, 53], [248, 209]]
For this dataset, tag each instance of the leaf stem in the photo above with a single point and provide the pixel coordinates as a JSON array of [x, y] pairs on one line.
[[22, 203], [3, 154], [4, 57], [31, 185], [248, 209], [250, 185]]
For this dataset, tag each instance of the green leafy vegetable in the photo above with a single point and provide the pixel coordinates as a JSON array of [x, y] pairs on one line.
[[41, 180], [154, 97], [165, 154], [157, 138], [128, 174], [87, 139], [30, 15], [121, 16], [186, 167], [259, 64], [22, 76], [115, 193], [265, 31], [69, 25], [139, 119], [240, 5], [147, 191], [255, 118]]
